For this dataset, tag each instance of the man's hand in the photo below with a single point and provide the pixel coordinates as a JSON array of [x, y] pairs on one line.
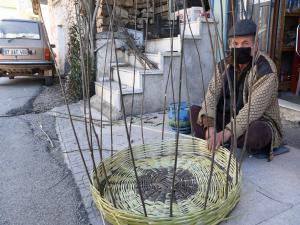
[[209, 132], [219, 137]]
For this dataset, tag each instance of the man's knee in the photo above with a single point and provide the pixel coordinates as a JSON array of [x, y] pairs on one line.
[[194, 112], [195, 109], [259, 136], [198, 130]]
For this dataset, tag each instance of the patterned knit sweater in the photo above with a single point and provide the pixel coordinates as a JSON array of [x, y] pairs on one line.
[[263, 81]]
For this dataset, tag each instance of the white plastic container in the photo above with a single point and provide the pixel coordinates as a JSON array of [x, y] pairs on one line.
[[192, 13]]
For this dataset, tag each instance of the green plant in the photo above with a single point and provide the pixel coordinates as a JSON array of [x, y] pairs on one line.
[[75, 81]]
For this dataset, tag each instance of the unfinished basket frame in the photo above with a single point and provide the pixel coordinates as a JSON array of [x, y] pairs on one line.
[[194, 157]]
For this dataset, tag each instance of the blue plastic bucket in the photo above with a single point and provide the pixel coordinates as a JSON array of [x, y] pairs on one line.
[[184, 123]]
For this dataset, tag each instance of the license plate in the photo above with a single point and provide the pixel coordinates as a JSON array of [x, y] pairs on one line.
[[13, 52]]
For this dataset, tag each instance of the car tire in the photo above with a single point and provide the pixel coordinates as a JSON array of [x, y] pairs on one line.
[[48, 81], [11, 77]]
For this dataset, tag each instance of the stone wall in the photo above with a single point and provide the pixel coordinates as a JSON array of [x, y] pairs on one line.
[[106, 52], [131, 13]]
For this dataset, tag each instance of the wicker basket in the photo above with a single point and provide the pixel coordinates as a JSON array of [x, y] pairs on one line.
[[154, 165]]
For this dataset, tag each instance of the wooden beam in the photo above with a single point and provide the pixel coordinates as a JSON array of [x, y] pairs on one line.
[[273, 33], [35, 6]]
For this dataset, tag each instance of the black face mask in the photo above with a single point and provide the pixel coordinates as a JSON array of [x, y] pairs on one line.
[[242, 55]]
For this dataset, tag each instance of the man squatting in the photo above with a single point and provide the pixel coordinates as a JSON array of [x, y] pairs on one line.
[[265, 130]]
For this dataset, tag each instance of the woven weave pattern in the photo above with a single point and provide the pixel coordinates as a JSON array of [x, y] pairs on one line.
[[154, 165]]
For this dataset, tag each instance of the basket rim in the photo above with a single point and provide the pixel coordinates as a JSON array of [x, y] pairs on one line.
[[234, 193]]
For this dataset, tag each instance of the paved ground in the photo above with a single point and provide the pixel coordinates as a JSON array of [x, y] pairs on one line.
[[270, 190], [18, 93], [70, 147], [36, 186]]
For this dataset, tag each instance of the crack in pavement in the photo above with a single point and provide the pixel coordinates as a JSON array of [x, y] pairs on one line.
[[265, 193], [265, 220], [271, 198]]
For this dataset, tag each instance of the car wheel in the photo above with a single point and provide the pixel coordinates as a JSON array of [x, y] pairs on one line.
[[11, 77], [48, 81]]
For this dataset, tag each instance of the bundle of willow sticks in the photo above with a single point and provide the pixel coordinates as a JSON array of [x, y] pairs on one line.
[[167, 182]]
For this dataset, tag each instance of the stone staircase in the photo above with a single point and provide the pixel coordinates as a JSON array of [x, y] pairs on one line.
[[149, 84], [136, 81]]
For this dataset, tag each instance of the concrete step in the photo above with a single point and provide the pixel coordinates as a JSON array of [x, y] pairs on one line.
[[163, 45], [289, 111], [120, 64], [161, 57], [103, 60], [133, 61], [130, 75], [157, 58], [110, 91], [106, 75]]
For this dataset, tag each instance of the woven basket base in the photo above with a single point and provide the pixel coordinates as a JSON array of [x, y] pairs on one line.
[[154, 164]]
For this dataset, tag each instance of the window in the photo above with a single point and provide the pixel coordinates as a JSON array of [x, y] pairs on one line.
[[19, 30]]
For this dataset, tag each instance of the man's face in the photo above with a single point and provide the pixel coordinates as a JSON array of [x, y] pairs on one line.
[[241, 42]]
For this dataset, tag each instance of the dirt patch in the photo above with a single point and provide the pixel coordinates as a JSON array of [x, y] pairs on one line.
[[27, 108], [49, 98], [45, 99]]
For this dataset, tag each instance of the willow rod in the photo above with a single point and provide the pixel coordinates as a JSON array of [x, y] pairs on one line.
[[200, 66], [231, 92], [128, 137], [143, 85], [170, 74], [125, 122], [65, 98], [249, 97], [85, 73], [178, 112], [134, 68], [94, 130], [215, 121]]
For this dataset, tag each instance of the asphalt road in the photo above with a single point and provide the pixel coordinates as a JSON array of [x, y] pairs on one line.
[[35, 185]]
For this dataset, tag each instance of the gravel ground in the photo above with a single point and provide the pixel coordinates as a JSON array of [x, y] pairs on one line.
[[49, 98], [46, 98]]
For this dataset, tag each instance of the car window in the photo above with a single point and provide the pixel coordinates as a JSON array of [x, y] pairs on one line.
[[19, 29]]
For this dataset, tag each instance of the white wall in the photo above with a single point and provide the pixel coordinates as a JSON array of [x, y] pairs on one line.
[[7, 13], [16, 9], [261, 1], [61, 16], [219, 14], [45, 13]]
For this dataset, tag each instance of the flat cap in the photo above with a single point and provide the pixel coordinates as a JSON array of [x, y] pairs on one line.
[[243, 28]]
